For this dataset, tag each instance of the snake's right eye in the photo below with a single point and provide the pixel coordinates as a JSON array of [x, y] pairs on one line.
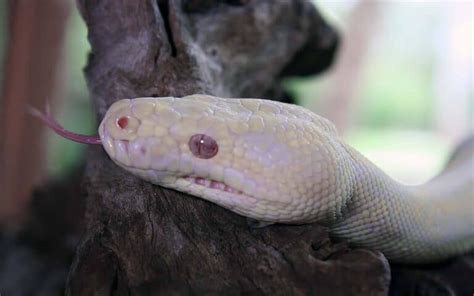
[[203, 146]]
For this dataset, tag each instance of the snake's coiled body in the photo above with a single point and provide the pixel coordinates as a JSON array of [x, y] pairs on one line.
[[281, 163]]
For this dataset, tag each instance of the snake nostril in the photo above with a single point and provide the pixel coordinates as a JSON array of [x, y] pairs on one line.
[[122, 122], [203, 146]]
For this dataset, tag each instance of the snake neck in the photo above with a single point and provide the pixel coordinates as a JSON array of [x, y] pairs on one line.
[[412, 224]]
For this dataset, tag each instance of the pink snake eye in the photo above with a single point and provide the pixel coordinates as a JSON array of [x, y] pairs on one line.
[[203, 146]]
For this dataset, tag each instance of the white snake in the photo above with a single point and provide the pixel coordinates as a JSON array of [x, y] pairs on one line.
[[281, 163]]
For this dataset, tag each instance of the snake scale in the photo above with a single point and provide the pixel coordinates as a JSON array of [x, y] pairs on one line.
[[281, 163]]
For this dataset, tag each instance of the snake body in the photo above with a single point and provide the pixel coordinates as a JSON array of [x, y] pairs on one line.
[[281, 163]]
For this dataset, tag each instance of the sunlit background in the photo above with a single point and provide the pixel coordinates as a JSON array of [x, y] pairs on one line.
[[401, 91]]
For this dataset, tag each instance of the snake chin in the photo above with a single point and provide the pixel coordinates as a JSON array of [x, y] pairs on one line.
[[212, 184]]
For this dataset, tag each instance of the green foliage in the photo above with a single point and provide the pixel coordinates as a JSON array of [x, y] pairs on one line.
[[75, 110], [409, 156], [396, 93], [306, 91], [393, 92]]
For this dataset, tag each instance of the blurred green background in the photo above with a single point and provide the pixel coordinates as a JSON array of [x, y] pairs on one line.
[[413, 98], [403, 85]]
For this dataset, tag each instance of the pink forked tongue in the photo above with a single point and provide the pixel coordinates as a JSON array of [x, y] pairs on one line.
[[47, 119]]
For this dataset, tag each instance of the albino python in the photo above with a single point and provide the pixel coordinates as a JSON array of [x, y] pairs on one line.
[[281, 163]]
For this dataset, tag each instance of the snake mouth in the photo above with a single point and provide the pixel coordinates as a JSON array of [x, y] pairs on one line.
[[212, 184]]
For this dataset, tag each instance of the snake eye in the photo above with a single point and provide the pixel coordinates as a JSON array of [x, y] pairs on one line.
[[203, 146]]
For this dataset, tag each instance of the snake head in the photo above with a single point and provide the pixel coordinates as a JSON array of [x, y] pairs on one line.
[[254, 157]]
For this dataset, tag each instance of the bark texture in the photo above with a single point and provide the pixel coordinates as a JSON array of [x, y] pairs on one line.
[[142, 239], [36, 260]]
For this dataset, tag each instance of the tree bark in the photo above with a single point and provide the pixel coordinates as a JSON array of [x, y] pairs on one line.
[[142, 239]]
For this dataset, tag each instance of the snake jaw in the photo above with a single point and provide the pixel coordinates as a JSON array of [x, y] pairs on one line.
[[219, 193], [212, 184]]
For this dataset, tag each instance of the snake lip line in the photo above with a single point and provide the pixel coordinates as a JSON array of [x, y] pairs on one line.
[[212, 184]]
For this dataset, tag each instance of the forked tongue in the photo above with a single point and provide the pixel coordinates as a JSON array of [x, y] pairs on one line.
[[49, 120]]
